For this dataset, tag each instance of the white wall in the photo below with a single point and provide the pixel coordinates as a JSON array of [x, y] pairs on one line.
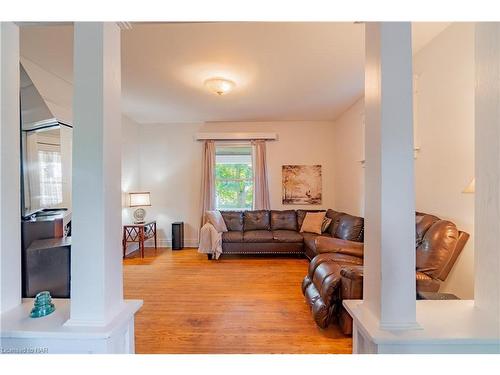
[[445, 133], [444, 117], [348, 153], [57, 93], [171, 166], [10, 210], [130, 168]]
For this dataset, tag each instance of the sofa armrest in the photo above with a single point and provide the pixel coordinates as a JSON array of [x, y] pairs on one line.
[[352, 272], [336, 245]]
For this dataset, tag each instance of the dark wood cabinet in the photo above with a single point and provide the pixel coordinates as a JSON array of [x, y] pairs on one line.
[[46, 253]]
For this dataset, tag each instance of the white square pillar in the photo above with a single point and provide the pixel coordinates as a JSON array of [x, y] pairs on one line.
[[487, 170], [389, 260], [10, 204], [96, 260]]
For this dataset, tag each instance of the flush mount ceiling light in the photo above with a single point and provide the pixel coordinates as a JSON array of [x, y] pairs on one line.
[[219, 86]]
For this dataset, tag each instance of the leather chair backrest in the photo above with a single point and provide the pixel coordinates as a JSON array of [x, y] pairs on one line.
[[233, 220], [422, 224], [256, 220], [438, 249], [350, 228], [284, 220]]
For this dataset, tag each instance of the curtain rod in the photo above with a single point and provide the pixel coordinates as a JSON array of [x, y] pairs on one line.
[[235, 136]]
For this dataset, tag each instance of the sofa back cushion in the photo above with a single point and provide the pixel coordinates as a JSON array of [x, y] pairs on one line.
[[422, 224], [301, 214], [350, 228], [284, 220], [335, 216], [233, 220], [437, 248], [256, 220]]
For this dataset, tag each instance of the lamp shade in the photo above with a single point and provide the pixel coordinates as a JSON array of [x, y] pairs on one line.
[[471, 188], [140, 199]]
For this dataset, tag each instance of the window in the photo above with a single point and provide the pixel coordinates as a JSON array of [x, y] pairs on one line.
[[50, 178], [233, 177]]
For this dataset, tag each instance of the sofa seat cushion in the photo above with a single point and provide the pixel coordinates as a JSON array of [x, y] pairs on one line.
[[284, 220], [258, 236], [256, 220], [309, 239], [287, 236], [232, 236]]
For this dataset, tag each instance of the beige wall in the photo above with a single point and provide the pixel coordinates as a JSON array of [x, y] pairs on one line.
[[348, 154], [171, 166], [444, 119]]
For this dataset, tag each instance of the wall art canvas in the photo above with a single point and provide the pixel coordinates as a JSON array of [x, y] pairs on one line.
[[301, 184]]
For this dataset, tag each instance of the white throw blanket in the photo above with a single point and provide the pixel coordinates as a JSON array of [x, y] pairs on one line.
[[210, 241]]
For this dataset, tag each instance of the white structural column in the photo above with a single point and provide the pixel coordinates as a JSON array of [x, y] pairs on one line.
[[10, 219], [487, 170], [389, 281], [96, 262]]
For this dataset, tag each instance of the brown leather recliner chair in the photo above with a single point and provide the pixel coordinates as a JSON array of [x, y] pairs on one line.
[[337, 272]]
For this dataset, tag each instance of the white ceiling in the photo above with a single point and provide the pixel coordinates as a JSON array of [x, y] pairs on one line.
[[283, 71]]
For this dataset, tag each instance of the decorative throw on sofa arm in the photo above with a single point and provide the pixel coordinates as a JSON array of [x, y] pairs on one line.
[[210, 241]]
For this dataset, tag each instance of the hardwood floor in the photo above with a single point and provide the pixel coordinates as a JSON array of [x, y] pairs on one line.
[[233, 305]]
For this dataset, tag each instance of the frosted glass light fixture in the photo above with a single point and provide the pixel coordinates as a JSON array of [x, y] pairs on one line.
[[219, 86], [471, 188], [140, 199]]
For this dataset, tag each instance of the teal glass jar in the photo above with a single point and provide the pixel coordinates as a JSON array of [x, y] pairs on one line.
[[43, 305]]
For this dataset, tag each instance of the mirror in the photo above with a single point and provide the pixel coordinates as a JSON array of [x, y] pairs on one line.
[[46, 168]]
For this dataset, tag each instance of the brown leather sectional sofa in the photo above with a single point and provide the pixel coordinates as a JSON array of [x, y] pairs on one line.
[[336, 268], [278, 232], [337, 273]]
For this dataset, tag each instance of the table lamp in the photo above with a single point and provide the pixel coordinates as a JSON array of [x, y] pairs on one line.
[[140, 199]]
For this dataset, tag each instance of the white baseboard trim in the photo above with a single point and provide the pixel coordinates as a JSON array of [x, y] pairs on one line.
[[161, 242], [165, 242]]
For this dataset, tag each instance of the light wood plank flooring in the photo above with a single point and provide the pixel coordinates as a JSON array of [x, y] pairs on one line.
[[234, 305]]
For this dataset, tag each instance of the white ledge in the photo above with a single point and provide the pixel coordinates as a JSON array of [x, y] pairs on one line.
[[16, 323], [445, 322]]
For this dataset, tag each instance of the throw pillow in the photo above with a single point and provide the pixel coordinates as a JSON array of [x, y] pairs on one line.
[[312, 222], [326, 223], [215, 218]]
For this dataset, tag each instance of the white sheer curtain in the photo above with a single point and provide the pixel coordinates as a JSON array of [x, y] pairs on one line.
[[50, 178], [32, 173], [208, 179], [260, 183]]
